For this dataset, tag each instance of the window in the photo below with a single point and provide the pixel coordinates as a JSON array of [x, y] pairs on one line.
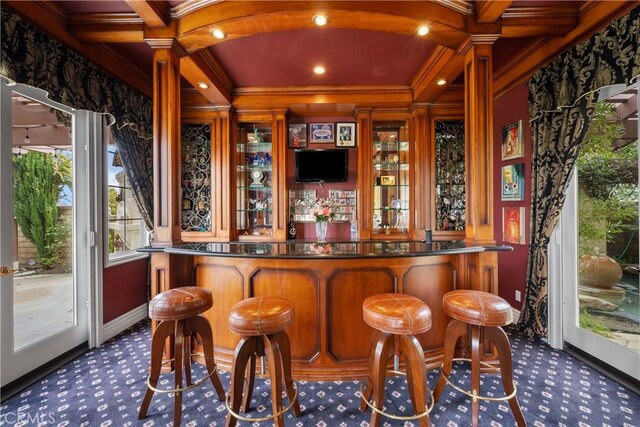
[[126, 230]]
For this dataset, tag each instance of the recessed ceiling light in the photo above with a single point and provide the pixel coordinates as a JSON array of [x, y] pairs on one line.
[[319, 69], [320, 20], [203, 85], [441, 82], [218, 33], [422, 30]]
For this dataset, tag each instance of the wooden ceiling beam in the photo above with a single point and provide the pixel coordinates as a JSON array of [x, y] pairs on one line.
[[106, 27], [241, 19], [52, 20], [153, 13], [202, 67], [443, 63], [489, 11], [540, 21], [594, 16]]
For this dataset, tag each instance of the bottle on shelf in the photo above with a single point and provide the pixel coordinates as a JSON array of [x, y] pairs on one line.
[[354, 230], [291, 229]]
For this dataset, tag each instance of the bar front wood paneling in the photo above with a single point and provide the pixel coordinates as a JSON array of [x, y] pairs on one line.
[[329, 339]]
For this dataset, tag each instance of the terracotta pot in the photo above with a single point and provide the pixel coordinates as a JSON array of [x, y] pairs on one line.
[[599, 271]]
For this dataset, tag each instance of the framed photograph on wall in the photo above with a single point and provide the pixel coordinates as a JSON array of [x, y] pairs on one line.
[[346, 133], [297, 135], [513, 141], [513, 182], [513, 220], [320, 133]]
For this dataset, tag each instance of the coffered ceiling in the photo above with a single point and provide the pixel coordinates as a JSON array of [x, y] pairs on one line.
[[271, 47]]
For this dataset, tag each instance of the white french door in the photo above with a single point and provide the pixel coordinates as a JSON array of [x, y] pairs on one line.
[[45, 303], [602, 321]]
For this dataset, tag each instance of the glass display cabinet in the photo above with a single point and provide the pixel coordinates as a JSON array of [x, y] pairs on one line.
[[449, 176], [391, 174], [254, 163], [196, 177]]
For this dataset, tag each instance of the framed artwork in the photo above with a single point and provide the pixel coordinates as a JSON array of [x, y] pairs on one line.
[[346, 133], [513, 141], [297, 135], [513, 230], [388, 180], [513, 182], [321, 133]]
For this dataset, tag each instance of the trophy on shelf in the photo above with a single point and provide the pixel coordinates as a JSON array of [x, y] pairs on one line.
[[257, 177]]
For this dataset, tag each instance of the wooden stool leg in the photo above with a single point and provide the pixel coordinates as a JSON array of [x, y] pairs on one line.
[[178, 355], [455, 329], [202, 328], [250, 376], [274, 359], [416, 375], [245, 348], [500, 339], [186, 361], [163, 331], [366, 394], [378, 375], [285, 350], [476, 355]]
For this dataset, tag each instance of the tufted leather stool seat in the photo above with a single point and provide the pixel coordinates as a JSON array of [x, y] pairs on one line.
[[179, 313], [261, 316], [262, 322], [482, 315], [396, 319], [180, 303]]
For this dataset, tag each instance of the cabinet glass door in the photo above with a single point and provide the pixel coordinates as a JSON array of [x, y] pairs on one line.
[[391, 178], [254, 187]]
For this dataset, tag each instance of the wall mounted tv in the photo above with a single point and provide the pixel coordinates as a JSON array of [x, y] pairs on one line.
[[322, 165]]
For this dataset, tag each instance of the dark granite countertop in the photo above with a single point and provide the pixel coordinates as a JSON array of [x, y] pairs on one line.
[[335, 249]]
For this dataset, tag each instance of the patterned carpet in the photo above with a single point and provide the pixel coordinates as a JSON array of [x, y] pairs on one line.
[[104, 387]]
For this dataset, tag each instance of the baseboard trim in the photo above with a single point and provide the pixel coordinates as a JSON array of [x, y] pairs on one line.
[[516, 315], [123, 322]]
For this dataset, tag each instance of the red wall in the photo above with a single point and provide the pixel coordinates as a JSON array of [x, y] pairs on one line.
[[335, 231], [124, 288], [512, 266]]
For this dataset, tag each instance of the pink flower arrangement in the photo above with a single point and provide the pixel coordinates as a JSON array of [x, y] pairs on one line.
[[322, 209]]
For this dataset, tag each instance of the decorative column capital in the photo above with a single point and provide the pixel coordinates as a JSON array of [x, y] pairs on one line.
[[475, 40]]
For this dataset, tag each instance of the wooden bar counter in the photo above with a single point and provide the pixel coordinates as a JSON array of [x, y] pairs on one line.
[[327, 283]]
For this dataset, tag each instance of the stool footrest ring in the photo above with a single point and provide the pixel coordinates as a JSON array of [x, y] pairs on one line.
[[478, 396], [393, 416], [267, 418], [180, 389]]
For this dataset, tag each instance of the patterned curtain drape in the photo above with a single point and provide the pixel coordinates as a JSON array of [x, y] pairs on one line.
[[561, 100], [31, 57]]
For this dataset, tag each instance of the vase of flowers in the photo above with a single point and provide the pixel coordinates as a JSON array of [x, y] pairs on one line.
[[322, 210]]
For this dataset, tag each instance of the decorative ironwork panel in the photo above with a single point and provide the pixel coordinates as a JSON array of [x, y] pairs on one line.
[[196, 177], [450, 176]]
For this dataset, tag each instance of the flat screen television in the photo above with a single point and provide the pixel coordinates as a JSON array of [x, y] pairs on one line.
[[322, 165]]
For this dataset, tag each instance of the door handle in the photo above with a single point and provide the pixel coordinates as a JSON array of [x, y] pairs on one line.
[[5, 271]]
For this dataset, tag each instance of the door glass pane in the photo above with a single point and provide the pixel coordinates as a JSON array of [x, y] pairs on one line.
[[608, 223], [43, 221]]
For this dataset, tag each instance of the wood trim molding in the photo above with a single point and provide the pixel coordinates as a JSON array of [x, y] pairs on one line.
[[443, 63], [488, 11], [153, 13]]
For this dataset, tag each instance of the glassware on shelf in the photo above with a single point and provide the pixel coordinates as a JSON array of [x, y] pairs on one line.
[[253, 179]]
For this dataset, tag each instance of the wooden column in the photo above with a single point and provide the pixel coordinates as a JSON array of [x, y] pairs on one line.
[[364, 199], [222, 172], [478, 76], [279, 174], [166, 141], [165, 269], [420, 131]]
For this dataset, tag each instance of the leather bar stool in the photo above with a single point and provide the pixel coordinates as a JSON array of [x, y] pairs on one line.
[[396, 319], [179, 313], [482, 315], [262, 322]]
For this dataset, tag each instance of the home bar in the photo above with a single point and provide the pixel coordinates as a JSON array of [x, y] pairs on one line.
[[288, 196]]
